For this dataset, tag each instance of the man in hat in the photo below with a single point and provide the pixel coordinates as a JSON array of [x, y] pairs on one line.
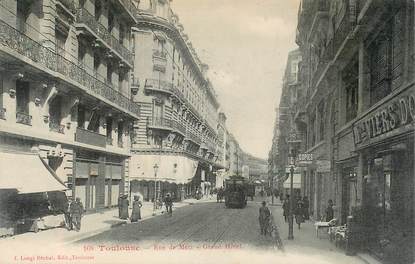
[[168, 201], [264, 218], [76, 210]]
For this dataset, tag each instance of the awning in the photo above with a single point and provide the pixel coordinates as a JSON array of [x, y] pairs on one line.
[[171, 168], [27, 173], [296, 181]]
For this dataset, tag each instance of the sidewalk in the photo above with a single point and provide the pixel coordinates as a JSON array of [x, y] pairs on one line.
[[308, 244], [92, 224]]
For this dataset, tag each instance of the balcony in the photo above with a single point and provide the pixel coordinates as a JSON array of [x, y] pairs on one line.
[[90, 137], [56, 127], [158, 85], [3, 113], [159, 54], [68, 4], [109, 141], [44, 57], [23, 118], [100, 31], [193, 136], [178, 126], [160, 123], [129, 7]]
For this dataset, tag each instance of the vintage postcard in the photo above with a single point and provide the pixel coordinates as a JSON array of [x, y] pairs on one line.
[[207, 131]]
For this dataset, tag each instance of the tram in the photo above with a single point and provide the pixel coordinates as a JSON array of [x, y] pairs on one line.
[[236, 192]]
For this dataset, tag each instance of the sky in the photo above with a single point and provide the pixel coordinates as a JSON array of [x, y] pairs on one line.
[[245, 43]]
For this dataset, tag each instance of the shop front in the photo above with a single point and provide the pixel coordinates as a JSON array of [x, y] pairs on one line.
[[384, 139], [32, 196], [98, 180]]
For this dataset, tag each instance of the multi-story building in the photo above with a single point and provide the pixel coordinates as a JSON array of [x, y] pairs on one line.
[[65, 95], [236, 157], [355, 108], [176, 143]]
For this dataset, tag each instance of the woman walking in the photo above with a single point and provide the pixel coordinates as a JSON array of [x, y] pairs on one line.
[[124, 207], [299, 212], [136, 213]]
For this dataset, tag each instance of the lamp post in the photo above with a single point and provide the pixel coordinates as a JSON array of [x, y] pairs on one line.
[[155, 167]]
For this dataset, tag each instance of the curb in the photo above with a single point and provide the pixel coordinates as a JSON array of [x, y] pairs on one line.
[[94, 232], [366, 258]]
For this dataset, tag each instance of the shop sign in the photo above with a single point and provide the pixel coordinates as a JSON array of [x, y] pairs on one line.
[[305, 158], [389, 118], [323, 166]]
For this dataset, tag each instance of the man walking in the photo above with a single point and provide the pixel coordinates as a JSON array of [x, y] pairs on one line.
[[264, 217], [76, 210], [168, 201]]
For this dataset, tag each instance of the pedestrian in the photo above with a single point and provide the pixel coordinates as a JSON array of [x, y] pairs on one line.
[[286, 207], [68, 217], [120, 198], [168, 201], [329, 211], [76, 210], [136, 213], [264, 218], [306, 204], [124, 207], [299, 212]]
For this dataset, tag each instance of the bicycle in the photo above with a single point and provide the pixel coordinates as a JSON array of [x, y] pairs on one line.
[[272, 230]]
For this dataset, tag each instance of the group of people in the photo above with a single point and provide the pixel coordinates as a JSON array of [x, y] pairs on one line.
[[123, 205], [73, 214], [300, 209]]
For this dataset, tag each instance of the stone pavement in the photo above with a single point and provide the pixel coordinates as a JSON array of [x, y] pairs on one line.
[[92, 223], [307, 242]]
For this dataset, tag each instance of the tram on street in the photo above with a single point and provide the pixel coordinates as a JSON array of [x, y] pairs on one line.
[[236, 192]]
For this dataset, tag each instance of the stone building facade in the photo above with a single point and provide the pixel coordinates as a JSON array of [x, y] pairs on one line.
[[65, 92], [355, 110], [179, 123]]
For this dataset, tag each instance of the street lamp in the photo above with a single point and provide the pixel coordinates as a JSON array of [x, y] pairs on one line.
[[155, 167], [293, 141]]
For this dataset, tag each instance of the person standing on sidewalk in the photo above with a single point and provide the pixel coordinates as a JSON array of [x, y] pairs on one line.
[[124, 207], [136, 213], [286, 207], [68, 217], [120, 198], [306, 204], [264, 217], [76, 210], [168, 201], [329, 211], [299, 212]]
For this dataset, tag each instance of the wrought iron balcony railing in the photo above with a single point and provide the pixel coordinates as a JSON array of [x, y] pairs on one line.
[[3, 113], [24, 45], [177, 125], [160, 54], [84, 17], [154, 84], [69, 4], [56, 127], [159, 122], [23, 118]]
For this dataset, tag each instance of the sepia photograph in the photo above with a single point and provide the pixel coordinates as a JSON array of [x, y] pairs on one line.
[[207, 131]]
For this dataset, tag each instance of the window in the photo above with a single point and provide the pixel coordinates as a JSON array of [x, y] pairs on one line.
[[122, 34], [93, 124], [81, 53], [110, 70], [97, 62], [81, 116], [98, 10], [109, 127], [322, 117], [350, 78], [22, 97], [22, 13], [386, 59], [121, 78], [55, 115], [60, 41], [110, 21], [120, 133]]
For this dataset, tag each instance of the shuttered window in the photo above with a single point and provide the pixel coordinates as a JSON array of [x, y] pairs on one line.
[[386, 59]]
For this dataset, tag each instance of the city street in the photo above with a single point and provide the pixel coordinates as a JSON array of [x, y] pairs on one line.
[[204, 225]]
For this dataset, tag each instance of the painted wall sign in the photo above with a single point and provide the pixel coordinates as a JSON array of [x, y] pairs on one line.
[[305, 158], [389, 118]]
